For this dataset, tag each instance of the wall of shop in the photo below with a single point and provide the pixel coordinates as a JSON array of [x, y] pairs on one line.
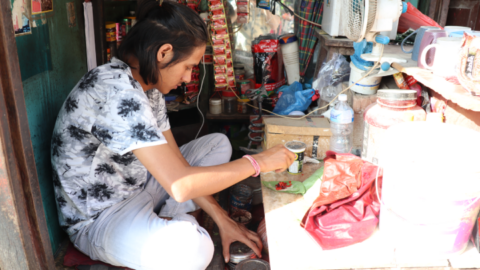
[[52, 60]]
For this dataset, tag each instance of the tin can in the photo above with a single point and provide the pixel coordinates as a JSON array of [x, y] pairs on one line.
[[240, 198], [242, 87], [239, 252], [298, 148], [253, 264], [110, 30], [118, 32]]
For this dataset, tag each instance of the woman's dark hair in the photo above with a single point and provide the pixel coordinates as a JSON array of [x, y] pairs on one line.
[[157, 25]]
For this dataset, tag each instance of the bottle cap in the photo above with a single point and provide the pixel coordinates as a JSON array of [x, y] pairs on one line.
[[342, 97]]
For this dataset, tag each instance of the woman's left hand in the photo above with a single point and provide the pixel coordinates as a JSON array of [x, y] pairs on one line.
[[231, 231]]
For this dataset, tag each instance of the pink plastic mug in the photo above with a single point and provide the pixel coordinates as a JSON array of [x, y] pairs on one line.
[[430, 37]]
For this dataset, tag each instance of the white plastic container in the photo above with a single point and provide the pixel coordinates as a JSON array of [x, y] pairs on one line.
[[430, 189], [367, 86], [215, 106], [289, 46]]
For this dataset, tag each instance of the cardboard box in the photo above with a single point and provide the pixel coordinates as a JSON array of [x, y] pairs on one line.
[[313, 130]]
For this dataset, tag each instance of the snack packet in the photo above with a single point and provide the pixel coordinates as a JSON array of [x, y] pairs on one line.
[[468, 67]]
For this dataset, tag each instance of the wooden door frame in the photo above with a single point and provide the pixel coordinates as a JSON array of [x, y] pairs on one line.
[[438, 11], [24, 237]]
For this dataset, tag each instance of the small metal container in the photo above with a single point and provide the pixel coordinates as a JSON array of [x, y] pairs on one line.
[[240, 252], [253, 264], [298, 148]]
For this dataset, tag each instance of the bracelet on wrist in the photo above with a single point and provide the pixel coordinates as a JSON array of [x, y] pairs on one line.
[[254, 164]]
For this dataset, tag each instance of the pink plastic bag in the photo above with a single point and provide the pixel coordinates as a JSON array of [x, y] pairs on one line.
[[346, 211], [414, 18]]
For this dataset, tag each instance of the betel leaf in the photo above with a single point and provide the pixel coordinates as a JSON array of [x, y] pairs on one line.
[[295, 187]]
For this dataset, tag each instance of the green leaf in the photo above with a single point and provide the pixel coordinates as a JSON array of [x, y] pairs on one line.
[[313, 179], [297, 186]]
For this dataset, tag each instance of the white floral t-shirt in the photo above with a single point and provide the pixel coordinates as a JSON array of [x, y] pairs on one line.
[[105, 117]]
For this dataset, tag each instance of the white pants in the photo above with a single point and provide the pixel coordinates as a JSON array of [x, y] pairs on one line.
[[131, 233]]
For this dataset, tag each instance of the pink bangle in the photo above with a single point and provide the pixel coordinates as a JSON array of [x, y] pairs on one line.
[[254, 164]]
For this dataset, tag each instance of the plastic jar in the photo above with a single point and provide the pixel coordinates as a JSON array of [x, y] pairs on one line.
[[229, 102], [239, 70], [392, 107], [242, 106], [240, 74], [240, 198], [215, 106], [110, 29]]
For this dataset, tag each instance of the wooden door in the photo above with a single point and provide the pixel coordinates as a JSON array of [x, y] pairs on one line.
[[464, 13], [24, 238]]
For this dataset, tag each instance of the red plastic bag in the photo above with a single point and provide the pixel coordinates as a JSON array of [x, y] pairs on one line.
[[414, 18], [346, 211]]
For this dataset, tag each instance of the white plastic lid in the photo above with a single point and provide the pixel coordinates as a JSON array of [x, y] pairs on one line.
[[342, 97], [215, 101]]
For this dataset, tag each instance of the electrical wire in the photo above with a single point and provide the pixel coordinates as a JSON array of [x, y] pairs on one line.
[[198, 97], [344, 90], [296, 15]]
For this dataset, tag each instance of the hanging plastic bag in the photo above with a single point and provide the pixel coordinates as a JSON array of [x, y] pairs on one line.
[[331, 76], [346, 211], [414, 18], [293, 98], [335, 71]]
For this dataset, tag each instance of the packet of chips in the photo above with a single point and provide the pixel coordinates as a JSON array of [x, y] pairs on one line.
[[468, 64], [219, 50], [220, 70], [220, 79], [219, 23], [216, 4], [217, 14]]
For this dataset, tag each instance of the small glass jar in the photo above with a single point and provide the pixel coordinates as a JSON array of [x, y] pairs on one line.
[[215, 106], [242, 106], [239, 71], [229, 102]]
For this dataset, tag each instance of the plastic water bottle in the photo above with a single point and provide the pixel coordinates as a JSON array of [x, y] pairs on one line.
[[341, 125]]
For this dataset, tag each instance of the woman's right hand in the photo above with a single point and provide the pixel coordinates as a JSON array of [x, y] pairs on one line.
[[277, 158]]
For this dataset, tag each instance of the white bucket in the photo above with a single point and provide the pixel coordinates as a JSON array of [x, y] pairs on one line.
[[289, 46], [430, 190], [367, 86]]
